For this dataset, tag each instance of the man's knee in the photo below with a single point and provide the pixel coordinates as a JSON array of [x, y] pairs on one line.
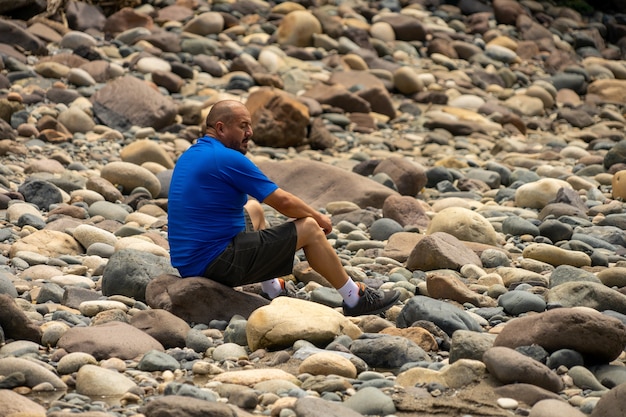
[[307, 226], [256, 213]]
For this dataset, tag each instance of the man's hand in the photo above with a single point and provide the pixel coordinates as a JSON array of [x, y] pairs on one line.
[[292, 206]]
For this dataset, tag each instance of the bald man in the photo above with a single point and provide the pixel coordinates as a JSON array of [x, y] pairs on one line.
[[216, 231]]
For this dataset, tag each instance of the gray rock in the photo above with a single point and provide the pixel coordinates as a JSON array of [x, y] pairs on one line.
[[466, 344], [383, 228], [518, 302], [568, 273], [35, 373], [129, 272], [384, 351], [371, 401], [41, 193], [517, 226], [153, 361], [444, 315], [197, 341]]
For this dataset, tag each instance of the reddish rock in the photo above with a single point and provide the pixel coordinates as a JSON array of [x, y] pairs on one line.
[[279, 118], [15, 324], [110, 340], [510, 366], [440, 250], [407, 211], [409, 177], [200, 300], [599, 338]]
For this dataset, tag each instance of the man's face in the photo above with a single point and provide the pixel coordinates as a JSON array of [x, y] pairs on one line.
[[238, 131]]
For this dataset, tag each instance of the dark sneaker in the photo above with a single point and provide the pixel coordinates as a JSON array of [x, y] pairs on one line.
[[372, 301]]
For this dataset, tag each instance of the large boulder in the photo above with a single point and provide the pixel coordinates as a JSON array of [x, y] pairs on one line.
[[287, 320], [280, 120], [128, 101], [318, 183], [596, 336], [200, 300], [109, 340]]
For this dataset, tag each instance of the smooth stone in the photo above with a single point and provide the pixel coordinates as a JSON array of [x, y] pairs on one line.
[[93, 380]]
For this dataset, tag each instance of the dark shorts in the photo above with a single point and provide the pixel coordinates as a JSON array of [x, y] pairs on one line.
[[255, 256]]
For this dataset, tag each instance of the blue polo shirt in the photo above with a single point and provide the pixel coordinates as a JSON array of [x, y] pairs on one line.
[[209, 187]]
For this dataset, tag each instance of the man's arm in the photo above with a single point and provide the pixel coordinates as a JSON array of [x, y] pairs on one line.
[[292, 206]]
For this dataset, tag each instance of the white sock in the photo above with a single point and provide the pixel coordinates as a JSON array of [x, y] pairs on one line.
[[350, 293], [271, 287]]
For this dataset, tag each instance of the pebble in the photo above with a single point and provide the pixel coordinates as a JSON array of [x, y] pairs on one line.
[[469, 157]]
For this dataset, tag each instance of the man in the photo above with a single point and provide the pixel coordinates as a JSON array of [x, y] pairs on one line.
[[217, 232]]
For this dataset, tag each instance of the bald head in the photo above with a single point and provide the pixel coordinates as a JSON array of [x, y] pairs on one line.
[[224, 111], [229, 122]]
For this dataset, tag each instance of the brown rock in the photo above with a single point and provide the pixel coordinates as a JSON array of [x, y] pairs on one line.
[[526, 393], [376, 93], [331, 183], [612, 403], [175, 12], [407, 211], [420, 336], [164, 40], [14, 404], [338, 96], [507, 11], [128, 100], [561, 209], [297, 28], [443, 46], [608, 91], [362, 122], [168, 80], [401, 244], [14, 322], [18, 36], [146, 150], [199, 300], [479, 22], [409, 177], [619, 185], [406, 28], [530, 29], [109, 340], [279, 118], [320, 137], [554, 407], [99, 70], [71, 211], [185, 406], [380, 101], [164, 326], [444, 286], [509, 366], [268, 80], [304, 273], [596, 336], [83, 16], [124, 19], [440, 250], [104, 188]]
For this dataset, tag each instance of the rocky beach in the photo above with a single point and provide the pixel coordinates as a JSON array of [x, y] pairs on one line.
[[471, 155]]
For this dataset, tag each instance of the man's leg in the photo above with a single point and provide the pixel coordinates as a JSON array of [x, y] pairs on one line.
[[256, 213], [358, 299], [271, 287], [324, 260], [319, 253]]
